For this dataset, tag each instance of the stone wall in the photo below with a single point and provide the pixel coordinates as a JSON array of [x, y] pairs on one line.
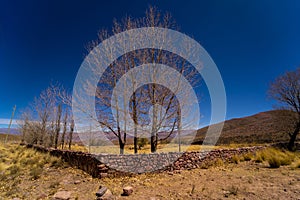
[[103, 165]]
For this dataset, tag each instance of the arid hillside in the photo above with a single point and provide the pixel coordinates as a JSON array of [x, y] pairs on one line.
[[259, 128]]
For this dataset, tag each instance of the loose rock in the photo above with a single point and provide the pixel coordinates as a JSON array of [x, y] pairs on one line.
[[62, 195], [106, 196], [128, 190], [101, 191]]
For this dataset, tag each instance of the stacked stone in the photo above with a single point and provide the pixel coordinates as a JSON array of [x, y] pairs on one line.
[[119, 165]]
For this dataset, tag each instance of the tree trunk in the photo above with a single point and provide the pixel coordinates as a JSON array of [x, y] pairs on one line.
[[122, 146], [134, 112], [135, 142], [153, 146], [179, 130], [71, 133], [291, 145], [121, 142], [154, 123], [64, 130], [57, 126]]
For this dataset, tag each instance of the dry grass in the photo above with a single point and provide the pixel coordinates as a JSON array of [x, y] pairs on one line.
[[9, 137], [275, 157], [17, 161], [29, 175]]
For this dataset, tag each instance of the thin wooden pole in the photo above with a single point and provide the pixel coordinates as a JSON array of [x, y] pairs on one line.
[[12, 116]]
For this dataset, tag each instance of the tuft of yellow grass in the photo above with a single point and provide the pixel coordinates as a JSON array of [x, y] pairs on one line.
[[275, 157]]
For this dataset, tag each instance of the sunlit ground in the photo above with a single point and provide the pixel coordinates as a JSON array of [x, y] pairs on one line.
[[146, 149]]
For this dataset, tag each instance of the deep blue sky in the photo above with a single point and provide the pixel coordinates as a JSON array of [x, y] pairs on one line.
[[252, 42]]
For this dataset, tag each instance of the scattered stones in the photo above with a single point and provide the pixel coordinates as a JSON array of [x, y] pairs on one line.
[[77, 182], [128, 190], [62, 195]]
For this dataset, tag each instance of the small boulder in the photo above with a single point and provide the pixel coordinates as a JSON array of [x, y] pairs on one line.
[[128, 190], [103, 175], [101, 166], [101, 191], [62, 195], [106, 196]]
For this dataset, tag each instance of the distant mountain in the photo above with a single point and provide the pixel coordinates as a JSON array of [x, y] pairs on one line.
[[13, 131], [258, 128]]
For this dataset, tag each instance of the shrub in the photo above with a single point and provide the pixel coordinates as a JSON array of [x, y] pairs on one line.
[[274, 162], [142, 142], [233, 190], [275, 157], [56, 162], [14, 170], [219, 162], [248, 156], [235, 159], [54, 184], [2, 167], [258, 158], [35, 172], [297, 164], [285, 160]]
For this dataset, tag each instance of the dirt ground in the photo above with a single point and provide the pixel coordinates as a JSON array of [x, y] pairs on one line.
[[245, 180]]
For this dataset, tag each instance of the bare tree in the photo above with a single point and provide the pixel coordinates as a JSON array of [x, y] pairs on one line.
[[36, 118], [28, 127], [65, 123], [41, 120], [44, 106], [151, 97], [57, 125], [71, 133], [286, 90]]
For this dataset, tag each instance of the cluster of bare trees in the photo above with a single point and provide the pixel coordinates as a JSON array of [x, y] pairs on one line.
[[153, 111], [151, 106], [47, 120]]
